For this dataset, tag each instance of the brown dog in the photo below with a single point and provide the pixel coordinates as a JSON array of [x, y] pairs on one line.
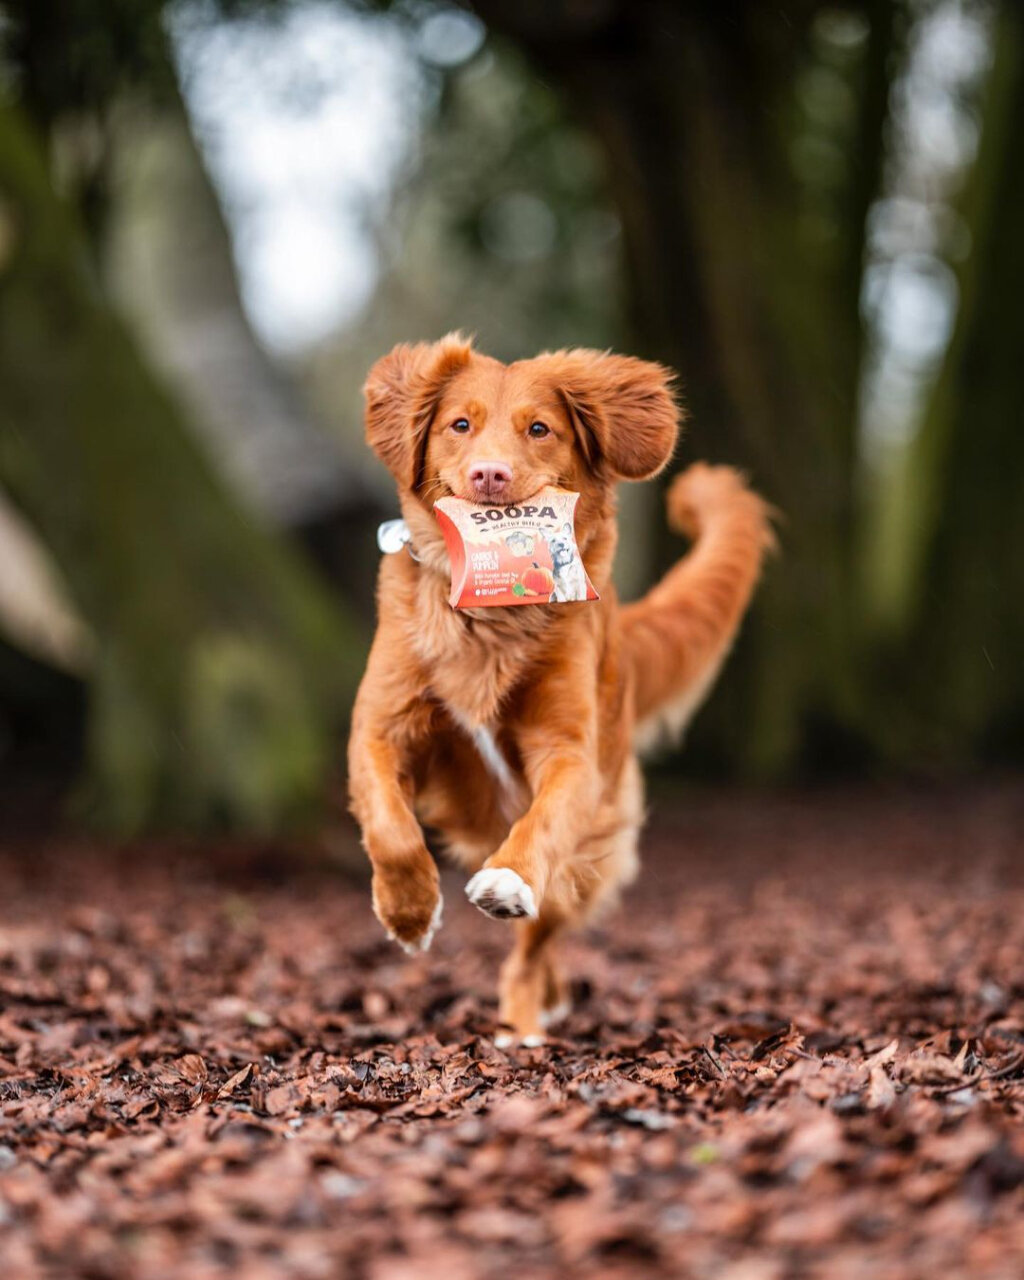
[[512, 732]]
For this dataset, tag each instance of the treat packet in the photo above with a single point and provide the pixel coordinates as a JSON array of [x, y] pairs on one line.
[[523, 554]]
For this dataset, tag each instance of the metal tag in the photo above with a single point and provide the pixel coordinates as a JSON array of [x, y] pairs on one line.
[[392, 536]]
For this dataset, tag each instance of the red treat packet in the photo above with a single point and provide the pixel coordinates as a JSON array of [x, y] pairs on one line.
[[525, 554]]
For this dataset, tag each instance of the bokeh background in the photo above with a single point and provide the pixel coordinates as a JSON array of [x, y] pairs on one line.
[[214, 216]]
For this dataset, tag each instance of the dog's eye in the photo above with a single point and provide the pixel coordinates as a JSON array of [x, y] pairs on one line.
[[538, 430], [461, 425]]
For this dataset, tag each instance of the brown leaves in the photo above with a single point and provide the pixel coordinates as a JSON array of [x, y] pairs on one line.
[[192, 1070], [238, 1082], [776, 1067]]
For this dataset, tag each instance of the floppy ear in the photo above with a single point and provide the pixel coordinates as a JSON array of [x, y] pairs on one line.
[[622, 409], [402, 392]]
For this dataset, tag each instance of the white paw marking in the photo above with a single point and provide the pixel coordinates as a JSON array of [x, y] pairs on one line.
[[501, 893], [561, 1011], [509, 1040], [422, 943]]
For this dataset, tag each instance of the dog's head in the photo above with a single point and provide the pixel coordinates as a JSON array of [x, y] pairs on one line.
[[447, 420]]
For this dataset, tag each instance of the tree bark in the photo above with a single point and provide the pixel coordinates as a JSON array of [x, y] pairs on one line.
[[166, 258], [220, 668], [966, 637]]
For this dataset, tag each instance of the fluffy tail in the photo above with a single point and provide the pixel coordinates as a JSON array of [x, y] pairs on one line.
[[678, 635]]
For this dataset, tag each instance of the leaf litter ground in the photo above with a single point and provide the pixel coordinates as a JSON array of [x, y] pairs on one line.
[[797, 1050]]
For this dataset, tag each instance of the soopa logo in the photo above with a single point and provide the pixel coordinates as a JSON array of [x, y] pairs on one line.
[[493, 514]]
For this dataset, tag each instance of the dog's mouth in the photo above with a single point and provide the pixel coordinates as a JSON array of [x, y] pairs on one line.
[[443, 488]]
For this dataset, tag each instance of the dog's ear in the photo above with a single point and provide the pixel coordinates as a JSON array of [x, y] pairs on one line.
[[402, 393], [622, 409]]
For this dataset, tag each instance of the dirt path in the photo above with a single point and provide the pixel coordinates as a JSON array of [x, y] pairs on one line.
[[797, 1051]]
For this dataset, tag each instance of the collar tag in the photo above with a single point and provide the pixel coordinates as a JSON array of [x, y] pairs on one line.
[[392, 536]]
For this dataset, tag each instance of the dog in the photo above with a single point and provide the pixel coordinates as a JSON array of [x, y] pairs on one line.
[[569, 574], [512, 734]]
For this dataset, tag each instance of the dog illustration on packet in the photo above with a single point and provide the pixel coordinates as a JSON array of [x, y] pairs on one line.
[[521, 554]]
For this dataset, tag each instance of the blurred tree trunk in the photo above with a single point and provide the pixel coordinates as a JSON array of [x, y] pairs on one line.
[[690, 104], [166, 258], [99, 84], [42, 714], [220, 668], [966, 639]]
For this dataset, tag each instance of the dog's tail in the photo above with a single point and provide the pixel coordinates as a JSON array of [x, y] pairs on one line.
[[678, 635]]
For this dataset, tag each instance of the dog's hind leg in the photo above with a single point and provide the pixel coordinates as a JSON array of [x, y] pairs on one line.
[[557, 1003], [532, 992]]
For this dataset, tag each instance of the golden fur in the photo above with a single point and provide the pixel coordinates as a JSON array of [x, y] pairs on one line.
[[512, 732]]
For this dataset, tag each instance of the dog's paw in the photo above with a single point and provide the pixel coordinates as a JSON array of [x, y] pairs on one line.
[[509, 1040], [409, 908], [556, 1014], [502, 893], [415, 945]]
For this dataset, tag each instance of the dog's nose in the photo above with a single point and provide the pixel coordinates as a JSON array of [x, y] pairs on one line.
[[490, 479]]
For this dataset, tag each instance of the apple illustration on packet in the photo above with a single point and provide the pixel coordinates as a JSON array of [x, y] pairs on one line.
[[519, 554]]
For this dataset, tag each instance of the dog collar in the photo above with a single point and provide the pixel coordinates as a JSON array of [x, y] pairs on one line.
[[392, 536]]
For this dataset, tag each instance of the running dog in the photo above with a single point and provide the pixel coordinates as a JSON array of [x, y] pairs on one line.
[[512, 734]]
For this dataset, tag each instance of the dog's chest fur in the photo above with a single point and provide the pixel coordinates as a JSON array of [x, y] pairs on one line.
[[474, 662], [474, 676], [474, 666]]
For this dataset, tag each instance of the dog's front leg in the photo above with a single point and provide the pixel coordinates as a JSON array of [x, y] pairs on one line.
[[406, 887], [557, 739]]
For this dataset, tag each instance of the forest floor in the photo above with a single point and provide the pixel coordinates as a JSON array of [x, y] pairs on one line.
[[797, 1051]]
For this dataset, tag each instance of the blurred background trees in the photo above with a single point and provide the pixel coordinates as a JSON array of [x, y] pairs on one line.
[[214, 217]]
